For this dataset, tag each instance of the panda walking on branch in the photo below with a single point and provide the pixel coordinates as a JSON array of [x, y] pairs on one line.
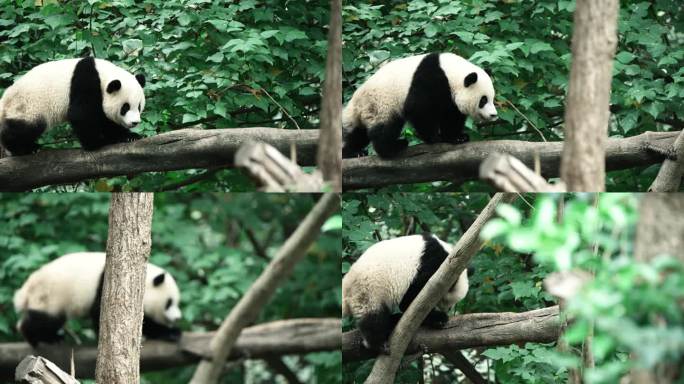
[[434, 92], [389, 276], [100, 100], [71, 287]]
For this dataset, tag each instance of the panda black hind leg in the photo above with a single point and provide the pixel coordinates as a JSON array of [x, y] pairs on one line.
[[436, 319], [355, 142], [38, 326], [385, 138], [376, 328], [20, 137]]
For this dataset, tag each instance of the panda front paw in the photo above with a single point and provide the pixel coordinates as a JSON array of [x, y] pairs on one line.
[[459, 139], [131, 136]]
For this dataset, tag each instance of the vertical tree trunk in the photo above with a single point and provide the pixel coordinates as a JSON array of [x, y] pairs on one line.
[[121, 311], [660, 231], [587, 107], [330, 143]]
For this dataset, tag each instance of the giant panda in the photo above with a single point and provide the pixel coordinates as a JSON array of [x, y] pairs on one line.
[[100, 100], [434, 92], [390, 274], [71, 287]]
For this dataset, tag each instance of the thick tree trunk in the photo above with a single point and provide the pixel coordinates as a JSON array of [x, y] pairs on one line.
[[660, 232], [330, 145], [587, 108], [121, 313], [277, 271]]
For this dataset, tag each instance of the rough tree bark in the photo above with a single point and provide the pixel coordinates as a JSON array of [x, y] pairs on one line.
[[181, 149], [594, 40], [385, 367], [670, 174], [330, 145], [470, 330], [121, 310], [250, 305], [660, 231], [275, 338], [423, 163]]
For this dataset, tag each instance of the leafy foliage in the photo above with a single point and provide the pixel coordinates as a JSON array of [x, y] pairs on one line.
[[219, 63], [526, 47], [632, 305], [204, 242]]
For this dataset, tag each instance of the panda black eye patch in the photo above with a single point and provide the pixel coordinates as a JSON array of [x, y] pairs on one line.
[[168, 303], [483, 101], [125, 108]]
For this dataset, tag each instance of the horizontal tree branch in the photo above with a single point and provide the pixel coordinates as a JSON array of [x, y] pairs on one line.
[[424, 163], [181, 149], [469, 331], [283, 337]]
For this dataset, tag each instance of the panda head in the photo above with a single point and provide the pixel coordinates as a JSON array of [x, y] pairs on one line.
[[123, 100], [162, 297], [471, 87], [476, 97]]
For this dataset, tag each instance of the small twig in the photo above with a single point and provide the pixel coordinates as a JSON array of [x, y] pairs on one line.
[[90, 29], [190, 180], [282, 109], [259, 249], [526, 118], [525, 200]]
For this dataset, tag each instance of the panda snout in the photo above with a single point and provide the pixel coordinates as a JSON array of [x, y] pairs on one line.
[[134, 123]]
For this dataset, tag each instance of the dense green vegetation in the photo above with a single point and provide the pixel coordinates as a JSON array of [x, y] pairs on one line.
[[633, 305], [224, 64], [204, 242], [525, 46]]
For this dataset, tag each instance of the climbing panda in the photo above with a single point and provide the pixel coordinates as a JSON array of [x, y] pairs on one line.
[[390, 274], [101, 101], [434, 92], [71, 287]]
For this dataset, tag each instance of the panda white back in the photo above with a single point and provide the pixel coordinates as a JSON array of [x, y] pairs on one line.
[[387, 268], [41, 93], [66, 285]]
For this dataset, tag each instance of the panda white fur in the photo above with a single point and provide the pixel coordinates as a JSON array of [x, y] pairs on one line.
[[434, 92], [390, 274], [100, 100], [71, 287]]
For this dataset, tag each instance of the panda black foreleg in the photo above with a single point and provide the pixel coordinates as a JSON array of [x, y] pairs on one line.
[[451, 127], [385, 138], [154, 330], [116, 134], [376, 328], [38, 326], [20, 137]]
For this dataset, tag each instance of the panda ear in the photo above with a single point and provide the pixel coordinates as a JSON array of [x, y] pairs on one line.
[[113, 86], [141, 79], [470, 79], [158, 279]]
